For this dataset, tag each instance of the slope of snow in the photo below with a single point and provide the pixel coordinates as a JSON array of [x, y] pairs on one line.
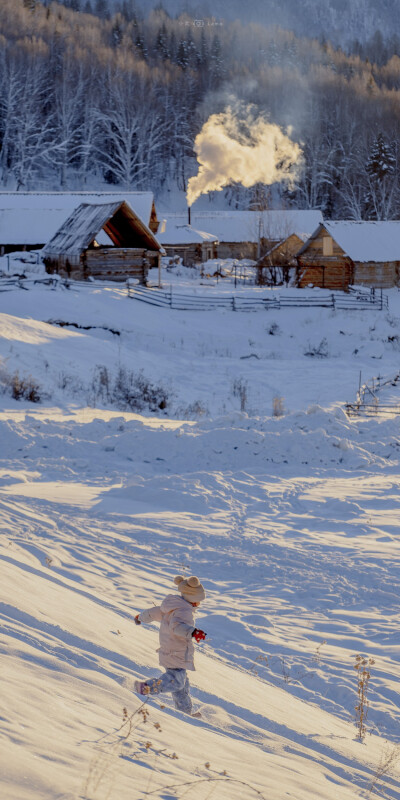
[[291, 522]]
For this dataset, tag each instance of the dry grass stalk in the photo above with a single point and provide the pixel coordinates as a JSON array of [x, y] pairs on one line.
[[362, 667]]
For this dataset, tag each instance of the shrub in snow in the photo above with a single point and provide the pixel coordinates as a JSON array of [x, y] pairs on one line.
[[274, 329], [20, 388], [239, 389], [128, 390], [194, 410], [318, 351], [278, 409]]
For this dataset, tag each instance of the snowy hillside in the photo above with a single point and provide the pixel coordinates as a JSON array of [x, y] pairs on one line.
[[153, 450], [334, 19]]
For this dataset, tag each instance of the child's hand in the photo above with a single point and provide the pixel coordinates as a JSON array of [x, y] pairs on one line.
[[137, 620], [198, 635]]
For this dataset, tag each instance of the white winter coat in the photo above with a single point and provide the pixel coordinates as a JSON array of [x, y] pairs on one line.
[[176, 616]]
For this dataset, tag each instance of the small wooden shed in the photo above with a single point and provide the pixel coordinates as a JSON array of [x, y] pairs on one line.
[[193, 246], [342, 253], [74, 251], [279, 262]]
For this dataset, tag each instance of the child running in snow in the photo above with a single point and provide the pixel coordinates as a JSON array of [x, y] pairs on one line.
[[176, 651]]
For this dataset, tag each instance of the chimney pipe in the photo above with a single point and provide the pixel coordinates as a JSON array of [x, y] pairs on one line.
[[189, 215]]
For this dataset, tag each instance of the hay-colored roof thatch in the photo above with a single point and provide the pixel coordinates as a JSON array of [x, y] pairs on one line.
[[118, 220]]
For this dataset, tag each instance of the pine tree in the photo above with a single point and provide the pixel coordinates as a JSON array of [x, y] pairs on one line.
[[216, 60], [140, 45], [381, 162], [182, 54], [117, 32], [162, 50], [381, 176]]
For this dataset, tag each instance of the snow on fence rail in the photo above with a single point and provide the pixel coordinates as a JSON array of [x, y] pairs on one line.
[[368, 401], [21, 282], [356, 300]]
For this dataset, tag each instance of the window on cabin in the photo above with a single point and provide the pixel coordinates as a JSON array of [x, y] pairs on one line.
[[327, 246]]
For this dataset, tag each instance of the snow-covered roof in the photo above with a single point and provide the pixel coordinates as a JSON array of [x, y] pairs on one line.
[[246, 226], [364, 241], [28, 218], [119, 221], [367, 241], [183, 234]]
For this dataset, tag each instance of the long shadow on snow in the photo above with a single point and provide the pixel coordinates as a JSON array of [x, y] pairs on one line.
[[48, 577], [65, 646]]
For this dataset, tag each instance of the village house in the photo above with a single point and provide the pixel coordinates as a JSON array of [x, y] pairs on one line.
[[185, 242], [246, 234], [76, 251], [342, 253], [29, 219], [279, 263]]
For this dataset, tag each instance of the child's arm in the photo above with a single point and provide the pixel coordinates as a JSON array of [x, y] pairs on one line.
[[149, 615], [181, 628]]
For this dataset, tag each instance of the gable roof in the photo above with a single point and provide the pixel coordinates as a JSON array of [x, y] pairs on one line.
[[302, 237], [183, 234], [28, 218], [245, 226], [118, 220], [364, 241]]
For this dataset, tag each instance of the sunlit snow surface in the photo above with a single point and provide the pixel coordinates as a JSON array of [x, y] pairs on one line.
[[292, 523]]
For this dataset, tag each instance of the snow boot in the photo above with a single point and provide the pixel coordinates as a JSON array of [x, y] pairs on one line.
[[140, 687]]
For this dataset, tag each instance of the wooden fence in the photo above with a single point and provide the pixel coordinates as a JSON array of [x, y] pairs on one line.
[[354, 301], [368, 401]]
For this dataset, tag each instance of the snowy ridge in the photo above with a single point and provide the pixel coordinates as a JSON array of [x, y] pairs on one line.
[[292, 523]]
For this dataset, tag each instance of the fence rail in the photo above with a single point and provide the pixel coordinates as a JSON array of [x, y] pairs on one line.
[[368, 401], [355, 301]]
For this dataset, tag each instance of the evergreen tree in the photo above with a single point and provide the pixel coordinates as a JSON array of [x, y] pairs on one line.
[[381, 185], [216, 60], [117, 32], [140, 45], [182, 55], [162, 50], [381, 162]]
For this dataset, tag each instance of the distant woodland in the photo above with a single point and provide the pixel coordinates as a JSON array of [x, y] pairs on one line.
[[87, 97]]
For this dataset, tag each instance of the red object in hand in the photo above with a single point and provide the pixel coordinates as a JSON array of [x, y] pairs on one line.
[[198, 635], [137, 620]]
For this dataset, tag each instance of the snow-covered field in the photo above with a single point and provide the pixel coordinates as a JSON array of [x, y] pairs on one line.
[[291, 522]]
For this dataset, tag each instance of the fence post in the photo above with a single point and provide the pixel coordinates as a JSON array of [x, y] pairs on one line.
[[233, 304], [333, 300], [170, 295]]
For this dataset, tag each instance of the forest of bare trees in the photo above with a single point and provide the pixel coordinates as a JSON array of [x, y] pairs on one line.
[[88, 99]]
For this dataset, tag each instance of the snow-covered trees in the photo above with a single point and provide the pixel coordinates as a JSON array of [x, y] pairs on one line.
[[121, 96]]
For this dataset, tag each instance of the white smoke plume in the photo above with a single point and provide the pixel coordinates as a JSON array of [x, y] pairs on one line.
[[241, 146]]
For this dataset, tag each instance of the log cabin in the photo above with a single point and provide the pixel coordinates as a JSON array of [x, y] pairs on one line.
[[29, 219], [340, 254], [246, 234], [191, 245], [75, 252]]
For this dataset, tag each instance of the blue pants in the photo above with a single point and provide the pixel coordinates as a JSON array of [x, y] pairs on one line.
[[175, 681]]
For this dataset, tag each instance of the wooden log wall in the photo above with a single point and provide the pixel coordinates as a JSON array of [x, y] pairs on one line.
[[338, 275], [382, 276], [236, 250], [109, 264]]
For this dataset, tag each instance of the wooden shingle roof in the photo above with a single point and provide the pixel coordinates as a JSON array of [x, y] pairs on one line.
[[117, 219]]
